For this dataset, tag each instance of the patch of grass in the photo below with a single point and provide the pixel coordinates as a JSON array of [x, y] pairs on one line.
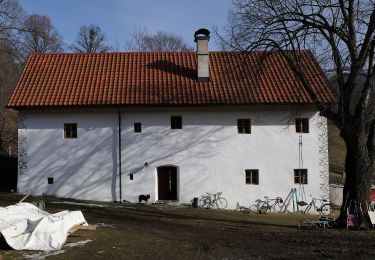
[[140, 231], [336, 146], [336, 152]]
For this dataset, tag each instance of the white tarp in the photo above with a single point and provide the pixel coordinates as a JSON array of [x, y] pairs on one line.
[[26, 227]]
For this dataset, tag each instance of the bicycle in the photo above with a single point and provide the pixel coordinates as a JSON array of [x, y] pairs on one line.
[[213, 199], [324, 209], [272, 205], [242, 209]]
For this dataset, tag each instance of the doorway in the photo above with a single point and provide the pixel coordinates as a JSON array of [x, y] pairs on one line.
[[167, 183]]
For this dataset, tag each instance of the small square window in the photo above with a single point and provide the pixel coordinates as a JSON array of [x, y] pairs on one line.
[[50, 180], [70, 130], [176, 122], [252, 176], [244, 126], [302, 125], [137, 127], [300, 176]]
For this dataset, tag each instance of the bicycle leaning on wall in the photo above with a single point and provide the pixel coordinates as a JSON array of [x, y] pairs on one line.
[[213, 199], [271, 205], [324, 208]]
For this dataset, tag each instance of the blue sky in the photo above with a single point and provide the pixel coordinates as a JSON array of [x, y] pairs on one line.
[[118, 18]]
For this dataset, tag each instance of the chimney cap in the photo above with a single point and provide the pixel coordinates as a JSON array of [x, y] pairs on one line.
[[202, 32]]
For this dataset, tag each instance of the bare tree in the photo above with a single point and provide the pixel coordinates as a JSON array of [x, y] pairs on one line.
[[19, 35], [40, 36], [340, 33], [90, 39], [10, 70], [11, 23], [11, 60], [143, 41]]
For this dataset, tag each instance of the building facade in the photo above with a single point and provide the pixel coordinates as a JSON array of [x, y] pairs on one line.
[[113, 126]]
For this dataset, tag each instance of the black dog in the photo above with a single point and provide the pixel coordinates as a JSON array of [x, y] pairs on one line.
[[143, 198]]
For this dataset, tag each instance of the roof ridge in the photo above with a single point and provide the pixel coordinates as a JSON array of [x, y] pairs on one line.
[[158, 52]]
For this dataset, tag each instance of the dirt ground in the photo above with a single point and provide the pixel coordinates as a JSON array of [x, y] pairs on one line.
[[134, 231]]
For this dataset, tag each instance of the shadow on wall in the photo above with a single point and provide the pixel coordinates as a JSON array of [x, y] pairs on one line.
[[159, 142], [115, 158], [164, 143], [86, 170], [161, 146], [83, 170]]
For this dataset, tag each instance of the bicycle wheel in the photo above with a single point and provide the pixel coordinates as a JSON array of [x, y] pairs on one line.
[[326, 209], [253, 209], [277, 207], [205, 202], [265, 208], [221, 203], [307, 209]]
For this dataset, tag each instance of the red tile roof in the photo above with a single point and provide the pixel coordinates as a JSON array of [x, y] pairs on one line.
[[167, 79]]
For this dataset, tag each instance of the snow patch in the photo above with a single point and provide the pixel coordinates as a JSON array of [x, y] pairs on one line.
[[79, 243], [105, 225], [79, 204], [42, 255]]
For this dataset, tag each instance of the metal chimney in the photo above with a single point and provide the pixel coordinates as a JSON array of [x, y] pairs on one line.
[[201, 37]]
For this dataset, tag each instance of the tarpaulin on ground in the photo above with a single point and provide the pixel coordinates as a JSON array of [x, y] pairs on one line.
[[26, 227]]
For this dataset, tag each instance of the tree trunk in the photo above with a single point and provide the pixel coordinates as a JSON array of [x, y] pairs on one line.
[[359, 168]]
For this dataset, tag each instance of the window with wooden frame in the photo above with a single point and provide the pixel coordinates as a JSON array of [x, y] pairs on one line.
[[302, 125], [244, 126], [300, 176], [176, 122], [70, 130], [252, 176], [137, 127]]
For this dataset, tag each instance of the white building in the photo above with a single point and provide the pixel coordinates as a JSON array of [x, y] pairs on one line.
[[112, 126]]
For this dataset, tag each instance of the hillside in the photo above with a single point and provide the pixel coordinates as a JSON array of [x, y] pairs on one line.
[[337, 151]]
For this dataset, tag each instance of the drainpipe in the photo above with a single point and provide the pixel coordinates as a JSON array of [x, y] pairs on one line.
[[119, 152]]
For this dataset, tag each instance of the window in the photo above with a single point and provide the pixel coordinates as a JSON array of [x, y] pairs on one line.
[[131, 176], [300, 176], [70, 130], [302, 125], [176, 122], [50, 180], [137, 127], [243, 126], [252, 176]]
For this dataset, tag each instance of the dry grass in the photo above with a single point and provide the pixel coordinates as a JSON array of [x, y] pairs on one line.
[[336, 146], [336, 151], [176, 232]]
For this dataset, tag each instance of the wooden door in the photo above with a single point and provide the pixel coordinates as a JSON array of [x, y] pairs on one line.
[[167, 183]]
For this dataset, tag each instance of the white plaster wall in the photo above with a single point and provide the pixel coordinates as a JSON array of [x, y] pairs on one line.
[[84, 168], [208, 152], [212, 157]]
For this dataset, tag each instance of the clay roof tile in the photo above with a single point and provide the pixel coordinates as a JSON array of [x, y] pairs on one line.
[[168, 78]]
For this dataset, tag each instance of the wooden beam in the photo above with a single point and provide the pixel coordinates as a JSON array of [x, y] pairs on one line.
[[81, 227]]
